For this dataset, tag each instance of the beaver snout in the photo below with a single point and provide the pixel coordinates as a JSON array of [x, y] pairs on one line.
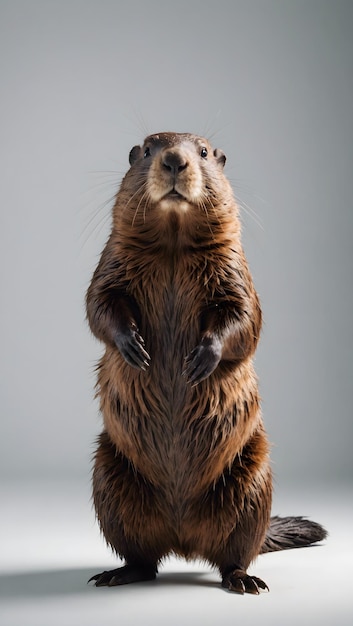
[[174, 162], [175, 169]]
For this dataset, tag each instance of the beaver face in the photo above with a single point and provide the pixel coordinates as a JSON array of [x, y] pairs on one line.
[[177, 170]]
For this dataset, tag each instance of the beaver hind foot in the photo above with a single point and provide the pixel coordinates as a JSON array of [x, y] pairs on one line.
[[239, 581], [124, 575]]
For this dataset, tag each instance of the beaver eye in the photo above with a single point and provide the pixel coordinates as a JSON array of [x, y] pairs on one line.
[[203, 152], [146, 153]]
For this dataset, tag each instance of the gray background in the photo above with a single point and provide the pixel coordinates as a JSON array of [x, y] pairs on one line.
[[270, 82]]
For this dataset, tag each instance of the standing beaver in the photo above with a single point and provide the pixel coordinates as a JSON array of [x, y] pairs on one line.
[[183, 463]]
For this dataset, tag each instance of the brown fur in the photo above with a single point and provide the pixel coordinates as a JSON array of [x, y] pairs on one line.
[[183, 463]]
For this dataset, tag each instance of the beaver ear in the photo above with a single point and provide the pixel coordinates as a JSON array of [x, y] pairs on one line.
[[220, 156], [135, 152]]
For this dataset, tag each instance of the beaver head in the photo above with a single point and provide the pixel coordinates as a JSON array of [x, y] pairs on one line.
[[175, 179]]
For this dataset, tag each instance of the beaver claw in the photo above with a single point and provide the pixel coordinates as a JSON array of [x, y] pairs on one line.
[[203, 360], [124, 575], [239, 581], [131, 346]]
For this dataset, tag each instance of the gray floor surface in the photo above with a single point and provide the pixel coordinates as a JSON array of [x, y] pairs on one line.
[[50, 545]]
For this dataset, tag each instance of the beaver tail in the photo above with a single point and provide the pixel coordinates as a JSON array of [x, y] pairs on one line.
[[292, 532]]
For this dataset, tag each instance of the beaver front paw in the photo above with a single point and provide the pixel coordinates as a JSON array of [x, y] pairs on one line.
[[203, 360], [132, 347]]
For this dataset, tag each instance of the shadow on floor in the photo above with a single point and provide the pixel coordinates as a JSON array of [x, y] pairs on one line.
[[74, 581]]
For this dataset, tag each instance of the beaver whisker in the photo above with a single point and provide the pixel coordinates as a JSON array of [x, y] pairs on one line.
[[202, 205], [213, 206], [250, 212], [103, 219], [145, 196], [138, 191]]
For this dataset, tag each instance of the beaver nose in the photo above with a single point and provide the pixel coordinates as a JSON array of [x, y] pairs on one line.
[[174, 162]]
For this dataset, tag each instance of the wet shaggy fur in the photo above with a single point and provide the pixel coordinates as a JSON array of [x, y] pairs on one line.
[[182, 465]]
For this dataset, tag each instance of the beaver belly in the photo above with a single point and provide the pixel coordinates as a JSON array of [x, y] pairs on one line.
[[172, 432]]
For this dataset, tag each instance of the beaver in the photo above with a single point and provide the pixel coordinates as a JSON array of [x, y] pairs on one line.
[[182, 466]]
